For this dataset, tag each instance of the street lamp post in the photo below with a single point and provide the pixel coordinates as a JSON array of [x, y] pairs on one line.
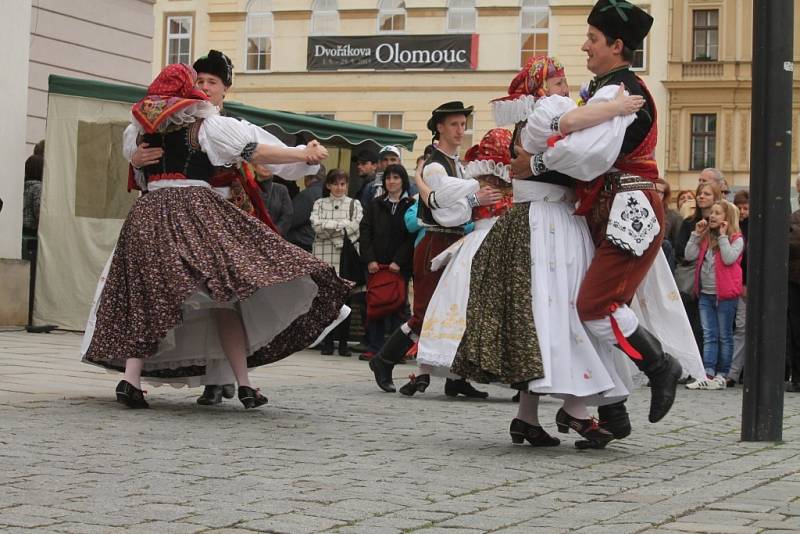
[[770, 171]]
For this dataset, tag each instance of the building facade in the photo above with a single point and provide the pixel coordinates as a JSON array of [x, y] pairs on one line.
[[270, 42], [708, 83], [108, 40]]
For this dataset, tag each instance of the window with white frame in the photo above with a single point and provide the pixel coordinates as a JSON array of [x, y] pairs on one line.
[[704, 141], [389, 120], [705, 33], [259, 28], [469, 131], [461, 16], [179, 39], [325, 17], [391, 16], [639, 62], [534, 29]]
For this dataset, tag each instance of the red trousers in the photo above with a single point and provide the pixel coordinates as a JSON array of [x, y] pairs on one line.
[[425, 280], [614, 274]]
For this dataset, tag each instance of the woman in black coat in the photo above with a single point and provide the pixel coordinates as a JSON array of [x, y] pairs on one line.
[[385, 243]]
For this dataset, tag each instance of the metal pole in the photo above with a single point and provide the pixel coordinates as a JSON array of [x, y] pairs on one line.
[[770, 170]]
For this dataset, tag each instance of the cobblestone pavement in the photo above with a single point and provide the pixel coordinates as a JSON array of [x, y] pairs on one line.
[[331, 453]]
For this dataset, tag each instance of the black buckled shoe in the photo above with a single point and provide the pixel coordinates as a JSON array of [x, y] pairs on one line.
[[453, 388], [211, 395], [596, 436], [663, 370], [416, 384], [535, 435], [251, 398], [130, 395]]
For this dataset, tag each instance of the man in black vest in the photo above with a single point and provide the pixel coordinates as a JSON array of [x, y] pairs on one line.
[[450, 208]]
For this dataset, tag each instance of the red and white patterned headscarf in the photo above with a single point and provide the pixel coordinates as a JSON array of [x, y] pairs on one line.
[[171, 91], [525, 88]]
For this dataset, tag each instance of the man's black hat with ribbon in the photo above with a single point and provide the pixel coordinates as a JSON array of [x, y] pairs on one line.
[[622, 20], [448, 108]]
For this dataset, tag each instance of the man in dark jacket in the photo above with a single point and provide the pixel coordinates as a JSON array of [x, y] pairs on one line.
[[276, 199], [367, 166], [301, 233]]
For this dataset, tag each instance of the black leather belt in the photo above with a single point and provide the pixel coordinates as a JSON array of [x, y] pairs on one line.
[[617, 182]]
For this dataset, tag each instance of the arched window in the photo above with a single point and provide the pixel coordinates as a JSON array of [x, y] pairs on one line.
[[324, 17], [391, 16], [258, 31], [534, 29], [461, 16]]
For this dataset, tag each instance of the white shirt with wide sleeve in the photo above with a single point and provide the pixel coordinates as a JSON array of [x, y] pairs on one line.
[[583, 154], [450, 207], [223, 139]]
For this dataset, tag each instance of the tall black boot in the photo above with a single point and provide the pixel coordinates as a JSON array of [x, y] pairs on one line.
[[663, 370], [615, 419], [390, 354]]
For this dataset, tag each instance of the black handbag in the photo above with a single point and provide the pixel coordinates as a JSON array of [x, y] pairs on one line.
[[350, 266]]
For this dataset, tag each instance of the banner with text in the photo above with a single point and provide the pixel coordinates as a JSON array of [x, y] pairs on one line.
[[394, 52]]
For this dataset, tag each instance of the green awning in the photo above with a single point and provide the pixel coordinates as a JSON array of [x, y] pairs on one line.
[[290, 123]]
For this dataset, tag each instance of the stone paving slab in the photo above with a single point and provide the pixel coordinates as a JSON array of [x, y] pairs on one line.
[[331, 453]]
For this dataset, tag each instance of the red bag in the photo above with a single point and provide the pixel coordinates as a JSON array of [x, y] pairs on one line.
[[386, 293]]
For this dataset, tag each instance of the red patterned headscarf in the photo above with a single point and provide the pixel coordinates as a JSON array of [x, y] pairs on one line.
[[530, 79], [495, 146], [172, 90], [525, 88]]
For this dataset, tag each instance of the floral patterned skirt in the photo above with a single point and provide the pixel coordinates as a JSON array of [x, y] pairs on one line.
[[500, 342], [182, 254]]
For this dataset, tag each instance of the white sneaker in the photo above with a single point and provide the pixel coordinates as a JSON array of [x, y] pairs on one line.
[[706, 383], [719, 379]]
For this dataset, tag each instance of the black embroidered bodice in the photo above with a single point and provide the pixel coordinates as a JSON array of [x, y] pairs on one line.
[[183, 159]]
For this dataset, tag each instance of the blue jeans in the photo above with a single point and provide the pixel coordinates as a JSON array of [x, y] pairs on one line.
[[717, 319]]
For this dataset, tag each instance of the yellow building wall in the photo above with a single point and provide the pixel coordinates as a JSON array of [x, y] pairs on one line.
[[357, 95]]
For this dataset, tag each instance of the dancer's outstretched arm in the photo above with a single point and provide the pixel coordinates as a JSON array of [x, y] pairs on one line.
[[596, 113]]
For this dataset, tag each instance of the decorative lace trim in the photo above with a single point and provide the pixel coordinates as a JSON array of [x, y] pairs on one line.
[[507, 112], [488, 167]]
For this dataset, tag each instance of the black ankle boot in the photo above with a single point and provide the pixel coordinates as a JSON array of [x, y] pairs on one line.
[[416, 384], [251, 398], [596, 436], [535, 435], [390, 354], [615, 419], [344, 349], [130, 395], [211, 395], [453, 388], [228, 390], [663, 370]]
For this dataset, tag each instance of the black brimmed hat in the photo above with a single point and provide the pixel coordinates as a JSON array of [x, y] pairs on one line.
[[367, 155], [448, 108], [622, 20], [218, 64]]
